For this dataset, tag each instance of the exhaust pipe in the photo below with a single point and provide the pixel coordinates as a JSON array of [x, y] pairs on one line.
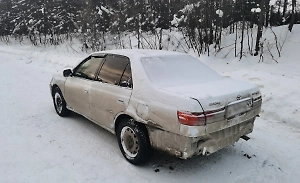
[[245, 137]]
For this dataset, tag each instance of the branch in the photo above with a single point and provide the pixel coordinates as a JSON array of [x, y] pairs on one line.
[[276, 43]]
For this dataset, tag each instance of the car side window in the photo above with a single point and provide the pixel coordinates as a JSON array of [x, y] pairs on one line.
[[113, 68], [126, 80], [88, 68]]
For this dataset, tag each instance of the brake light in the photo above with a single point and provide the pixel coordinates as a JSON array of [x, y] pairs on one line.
[[196, 118], [191, 118]]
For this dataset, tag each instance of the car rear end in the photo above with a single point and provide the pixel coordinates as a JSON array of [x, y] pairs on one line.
[[218, 125], [227, 111], [223, 121]]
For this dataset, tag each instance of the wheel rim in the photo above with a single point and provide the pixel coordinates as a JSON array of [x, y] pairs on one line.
[[58, 102], [129, 142]]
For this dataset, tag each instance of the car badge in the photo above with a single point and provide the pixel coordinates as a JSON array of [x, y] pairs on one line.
[[239, 97], [214, 103], [249, 103]]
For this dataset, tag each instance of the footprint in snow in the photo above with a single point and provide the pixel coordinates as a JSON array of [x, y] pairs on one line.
[[261, 86], [254, 79]]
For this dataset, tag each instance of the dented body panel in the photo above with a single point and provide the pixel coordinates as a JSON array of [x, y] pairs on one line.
[[186, 147], [209, 139]]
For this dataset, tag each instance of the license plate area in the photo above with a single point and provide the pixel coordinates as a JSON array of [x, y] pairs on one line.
[[238, 107]]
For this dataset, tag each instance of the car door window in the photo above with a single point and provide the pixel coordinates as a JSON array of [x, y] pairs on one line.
[[113, 69], [88, 68], [126, 80]]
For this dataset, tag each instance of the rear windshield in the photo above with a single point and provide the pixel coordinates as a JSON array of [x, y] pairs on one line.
[[177, 70]]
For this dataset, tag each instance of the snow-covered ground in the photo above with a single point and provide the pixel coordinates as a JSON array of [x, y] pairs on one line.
[[36, 145]]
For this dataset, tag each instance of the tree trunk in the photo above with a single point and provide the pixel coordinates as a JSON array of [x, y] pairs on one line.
[[235, 41], [267, 7], [260, 26], [160, 39], [242, 37], [285, 3], [293, 16]]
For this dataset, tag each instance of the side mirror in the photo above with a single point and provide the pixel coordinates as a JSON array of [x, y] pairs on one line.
[[67, 72], [127, 83]]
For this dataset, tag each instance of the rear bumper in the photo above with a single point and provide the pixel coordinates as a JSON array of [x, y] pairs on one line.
[[204, 140], [223, 138], [186, 147]]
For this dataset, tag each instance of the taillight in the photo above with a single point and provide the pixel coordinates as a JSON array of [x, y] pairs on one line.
[[191, 118], [196, 118]]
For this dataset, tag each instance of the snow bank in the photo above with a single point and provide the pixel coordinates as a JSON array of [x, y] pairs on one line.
[[279, 82], [39, 146]]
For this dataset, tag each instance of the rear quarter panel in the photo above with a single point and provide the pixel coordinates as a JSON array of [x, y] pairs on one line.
[[159, 108], [154, 106]]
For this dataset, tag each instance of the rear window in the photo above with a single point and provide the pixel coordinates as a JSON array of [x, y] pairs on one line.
[[177, 70]]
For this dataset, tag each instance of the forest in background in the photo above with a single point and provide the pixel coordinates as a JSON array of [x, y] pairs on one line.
[[95, 23]]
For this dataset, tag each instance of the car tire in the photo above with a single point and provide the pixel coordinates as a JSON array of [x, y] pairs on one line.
[[60, 103], [134, 141]]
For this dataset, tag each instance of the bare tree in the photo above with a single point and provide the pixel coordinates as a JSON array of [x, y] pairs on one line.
[[260, 26], [285, 3], [293, 19], [242, 36]]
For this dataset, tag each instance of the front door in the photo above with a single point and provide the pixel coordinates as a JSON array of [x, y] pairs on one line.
[[77, 87]]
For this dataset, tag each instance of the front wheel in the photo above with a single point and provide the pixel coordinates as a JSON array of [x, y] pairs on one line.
[[60, 103], [134, 142]]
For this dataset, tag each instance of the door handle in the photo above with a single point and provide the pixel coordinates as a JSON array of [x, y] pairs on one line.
[[86, 90], [120, 100]]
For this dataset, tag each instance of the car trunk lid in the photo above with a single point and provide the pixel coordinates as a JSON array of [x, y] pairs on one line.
[[220, 99]]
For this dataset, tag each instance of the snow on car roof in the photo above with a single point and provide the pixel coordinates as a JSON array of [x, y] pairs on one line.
[[138, 52]]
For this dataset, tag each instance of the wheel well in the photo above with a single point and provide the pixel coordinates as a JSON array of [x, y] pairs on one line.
[[119, 119], [125, 116], [52, 89]]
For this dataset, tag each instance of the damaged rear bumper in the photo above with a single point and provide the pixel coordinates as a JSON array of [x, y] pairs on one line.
[[186, 147]]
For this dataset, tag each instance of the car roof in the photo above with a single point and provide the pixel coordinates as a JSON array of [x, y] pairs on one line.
[[137, 53]]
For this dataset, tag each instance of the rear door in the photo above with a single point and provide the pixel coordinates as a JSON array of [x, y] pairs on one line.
[[110, 93], [77, 86]]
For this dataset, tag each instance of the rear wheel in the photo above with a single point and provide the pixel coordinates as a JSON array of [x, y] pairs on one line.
[[134, 142], [60, 103]]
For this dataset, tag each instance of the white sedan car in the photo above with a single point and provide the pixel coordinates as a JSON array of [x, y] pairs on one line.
[[161, 100]]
